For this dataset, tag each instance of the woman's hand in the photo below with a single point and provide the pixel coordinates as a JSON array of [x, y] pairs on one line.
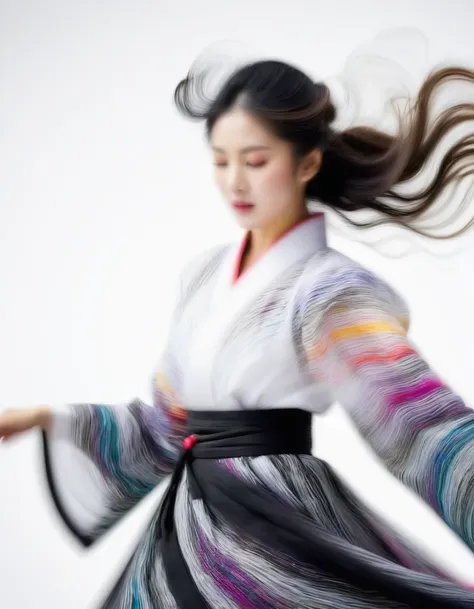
[[17, 421]]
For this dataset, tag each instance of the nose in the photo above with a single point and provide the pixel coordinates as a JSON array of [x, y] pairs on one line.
[[237, 180]]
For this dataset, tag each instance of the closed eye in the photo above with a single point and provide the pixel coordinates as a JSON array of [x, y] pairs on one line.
[[253, 165]]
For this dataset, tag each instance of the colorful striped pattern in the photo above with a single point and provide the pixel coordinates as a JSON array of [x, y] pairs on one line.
[[132, 448], [422, 431]]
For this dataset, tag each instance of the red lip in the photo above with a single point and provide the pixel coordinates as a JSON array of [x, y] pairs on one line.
[[242, 205]]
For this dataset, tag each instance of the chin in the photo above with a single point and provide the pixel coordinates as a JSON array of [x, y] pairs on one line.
[[248, 223]]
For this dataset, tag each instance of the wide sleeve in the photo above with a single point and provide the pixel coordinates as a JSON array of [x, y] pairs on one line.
[[101, 460], [354, 331]]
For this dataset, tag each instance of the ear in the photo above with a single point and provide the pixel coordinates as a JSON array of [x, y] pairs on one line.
[[310, 165]]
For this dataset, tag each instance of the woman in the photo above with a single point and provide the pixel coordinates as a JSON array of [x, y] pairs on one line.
[[265, 334]]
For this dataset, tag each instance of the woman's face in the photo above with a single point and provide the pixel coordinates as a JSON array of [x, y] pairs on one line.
[[256, 171]]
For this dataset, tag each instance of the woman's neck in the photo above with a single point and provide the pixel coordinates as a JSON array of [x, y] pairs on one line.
[[260, 240]]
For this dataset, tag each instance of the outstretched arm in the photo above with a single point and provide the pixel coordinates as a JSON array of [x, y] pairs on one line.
[[415, 423], [102, 460]]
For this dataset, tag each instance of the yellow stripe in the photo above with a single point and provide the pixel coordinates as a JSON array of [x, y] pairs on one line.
[[366, 328], [162, 382], [318, 350]]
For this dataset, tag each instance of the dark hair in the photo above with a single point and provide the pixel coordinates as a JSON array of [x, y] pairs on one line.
[[361, 166]]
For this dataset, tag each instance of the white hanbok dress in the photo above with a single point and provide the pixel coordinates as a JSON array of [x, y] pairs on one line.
[[251, 519]]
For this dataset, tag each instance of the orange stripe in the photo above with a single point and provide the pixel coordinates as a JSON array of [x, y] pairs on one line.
[[366, 328], [174, 410], [322, 347], [393, 355], [318, 350], [177, 412]]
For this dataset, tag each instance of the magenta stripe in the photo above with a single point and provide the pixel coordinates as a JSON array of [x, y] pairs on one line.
[[415, 392]]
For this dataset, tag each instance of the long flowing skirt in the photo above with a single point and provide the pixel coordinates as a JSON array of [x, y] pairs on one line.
[[274, 532]]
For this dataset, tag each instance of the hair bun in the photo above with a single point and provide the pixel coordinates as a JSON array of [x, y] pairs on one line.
[[329, 113], [327, 108]]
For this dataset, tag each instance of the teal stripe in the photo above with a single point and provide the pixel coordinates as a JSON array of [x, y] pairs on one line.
[[448, 451], [136, 604], [110, 451]]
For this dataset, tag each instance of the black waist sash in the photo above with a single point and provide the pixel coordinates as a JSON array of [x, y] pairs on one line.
[[255, 512], [230, 434], [220, 435]]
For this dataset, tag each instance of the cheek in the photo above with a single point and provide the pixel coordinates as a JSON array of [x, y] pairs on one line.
[[274, 181], [222, 181], [219, 180]]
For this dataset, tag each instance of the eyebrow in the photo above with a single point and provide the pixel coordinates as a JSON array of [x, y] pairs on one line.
[[244, 150]]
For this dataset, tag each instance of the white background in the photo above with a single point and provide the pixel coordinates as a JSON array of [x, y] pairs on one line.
[[104, 193]]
